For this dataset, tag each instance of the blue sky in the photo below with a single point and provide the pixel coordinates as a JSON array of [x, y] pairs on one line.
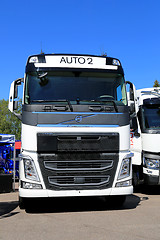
[[125, 29]]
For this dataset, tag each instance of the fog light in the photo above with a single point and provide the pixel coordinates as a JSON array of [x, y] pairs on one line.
[[124, 183], [28, 185]]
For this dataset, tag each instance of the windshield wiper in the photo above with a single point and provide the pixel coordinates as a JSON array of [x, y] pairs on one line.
[[42, 75], [112, 101], [69, 103], [60, 100]]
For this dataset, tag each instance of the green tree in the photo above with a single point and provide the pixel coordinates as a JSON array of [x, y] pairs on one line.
[[9, 124], [156, 84]]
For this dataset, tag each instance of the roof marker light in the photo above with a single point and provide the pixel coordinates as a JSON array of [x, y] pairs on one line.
[[33, 59], [116, 62]]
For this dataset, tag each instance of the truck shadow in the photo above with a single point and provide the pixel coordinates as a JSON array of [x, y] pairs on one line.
[[6, 209], [85, 204], [150, 190]]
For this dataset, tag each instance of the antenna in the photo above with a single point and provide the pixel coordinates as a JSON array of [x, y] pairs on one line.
[[41, 49], [103, 53]]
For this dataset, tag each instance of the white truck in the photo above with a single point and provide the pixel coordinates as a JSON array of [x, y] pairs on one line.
[[75, 128], [145, 134]]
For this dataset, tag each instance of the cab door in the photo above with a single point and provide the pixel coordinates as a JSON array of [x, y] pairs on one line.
[[135, 131]]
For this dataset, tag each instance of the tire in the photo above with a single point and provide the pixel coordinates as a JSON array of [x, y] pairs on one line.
[[135, 179], [25, 203], [21, 203]]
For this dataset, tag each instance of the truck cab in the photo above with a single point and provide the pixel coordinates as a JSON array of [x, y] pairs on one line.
[[75, 127], [145, 135]]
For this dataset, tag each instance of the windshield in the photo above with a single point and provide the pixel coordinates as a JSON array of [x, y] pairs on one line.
[[76, 87], [151, 116]]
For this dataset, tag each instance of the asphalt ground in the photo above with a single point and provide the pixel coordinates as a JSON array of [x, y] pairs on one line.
[[82, 218]]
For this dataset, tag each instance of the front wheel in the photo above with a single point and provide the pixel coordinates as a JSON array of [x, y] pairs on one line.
[[135, 179], [25, 203], [21, 203]]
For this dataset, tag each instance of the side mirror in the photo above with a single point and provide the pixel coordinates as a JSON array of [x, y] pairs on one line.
[[132, 97], [13, 103], [130, 91], [17, 83], [15, 90]]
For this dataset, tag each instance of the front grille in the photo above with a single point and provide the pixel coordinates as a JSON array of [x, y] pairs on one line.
[[78, 161], [77, 171]]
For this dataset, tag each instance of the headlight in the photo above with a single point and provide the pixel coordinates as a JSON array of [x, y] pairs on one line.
[[151, 163], [30, 169], [125, 169]]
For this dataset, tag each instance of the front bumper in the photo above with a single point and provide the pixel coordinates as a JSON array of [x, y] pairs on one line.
[[43, 193]]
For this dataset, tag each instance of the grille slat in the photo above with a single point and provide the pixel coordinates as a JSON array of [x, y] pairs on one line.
[[92, 165], [78, 181]]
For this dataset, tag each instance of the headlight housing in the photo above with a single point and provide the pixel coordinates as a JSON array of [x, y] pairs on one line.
[[30, 168], [125, 168], [151, 163]]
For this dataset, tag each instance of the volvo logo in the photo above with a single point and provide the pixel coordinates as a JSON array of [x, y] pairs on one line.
[[78, 118]]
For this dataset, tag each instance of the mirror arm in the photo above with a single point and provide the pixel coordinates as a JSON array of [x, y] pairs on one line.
[[18, 115], [132, 115], [19, 81], [136, 133]]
